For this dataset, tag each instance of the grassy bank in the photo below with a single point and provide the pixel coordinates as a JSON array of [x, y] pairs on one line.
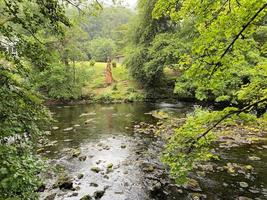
[[125, 88]]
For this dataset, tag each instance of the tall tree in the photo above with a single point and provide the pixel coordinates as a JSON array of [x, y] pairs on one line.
[[141, 61], [21, 112], [224, 62]]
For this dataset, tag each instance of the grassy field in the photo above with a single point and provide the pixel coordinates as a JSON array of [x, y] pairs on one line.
[[123, 89]]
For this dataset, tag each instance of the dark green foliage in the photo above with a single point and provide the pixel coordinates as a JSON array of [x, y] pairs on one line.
[[21, 112], [92, 62], [62, 82], [141, 59]]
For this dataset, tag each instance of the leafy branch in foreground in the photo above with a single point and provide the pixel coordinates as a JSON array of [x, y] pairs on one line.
[[192, 142], [232, 112]]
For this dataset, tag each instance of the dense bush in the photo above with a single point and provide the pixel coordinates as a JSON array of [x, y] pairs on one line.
[[63, 82]]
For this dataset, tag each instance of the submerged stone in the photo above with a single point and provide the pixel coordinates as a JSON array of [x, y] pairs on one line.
[[68, 129], [95, 169], [80, 176], [254, 158], [93, 184], [243, 184], [109, 166], [86, 197], [82, 158], [99, 194]]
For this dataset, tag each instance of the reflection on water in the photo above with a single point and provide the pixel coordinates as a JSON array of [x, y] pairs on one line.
[[104, 134]]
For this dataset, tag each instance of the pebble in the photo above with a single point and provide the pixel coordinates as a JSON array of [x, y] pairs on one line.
[[243, 184]]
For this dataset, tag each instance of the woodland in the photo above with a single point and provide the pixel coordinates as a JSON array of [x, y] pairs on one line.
[[59, 53]]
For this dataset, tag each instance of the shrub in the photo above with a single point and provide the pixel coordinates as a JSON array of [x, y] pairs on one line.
[[92, 62], [114, 64]]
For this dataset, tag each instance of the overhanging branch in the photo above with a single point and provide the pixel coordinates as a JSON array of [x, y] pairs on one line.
[[246, 108], [218, 64]]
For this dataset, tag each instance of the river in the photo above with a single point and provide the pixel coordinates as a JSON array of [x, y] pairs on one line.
[[111, 157]]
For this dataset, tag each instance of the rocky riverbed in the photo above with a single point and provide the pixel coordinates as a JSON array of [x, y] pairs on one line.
[[112, 152]]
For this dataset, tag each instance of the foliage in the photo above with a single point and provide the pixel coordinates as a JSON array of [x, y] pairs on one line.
[[143, 64], [101, 48], [63, 82], [31, 27], [222, 59], [114, 64], [187, 147], [107, 22], [92, 62]]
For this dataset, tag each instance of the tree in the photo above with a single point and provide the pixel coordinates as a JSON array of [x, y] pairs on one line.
[[225, 62], [102, 48], [22, 116], [143, 64]]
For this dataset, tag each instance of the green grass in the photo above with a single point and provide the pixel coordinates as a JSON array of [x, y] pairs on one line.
[[125, 88]]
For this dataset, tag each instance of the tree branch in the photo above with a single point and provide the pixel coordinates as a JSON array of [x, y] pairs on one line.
[[246, 108], [236, 37]]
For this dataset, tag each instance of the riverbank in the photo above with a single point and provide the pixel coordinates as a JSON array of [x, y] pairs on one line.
[[124, 89]]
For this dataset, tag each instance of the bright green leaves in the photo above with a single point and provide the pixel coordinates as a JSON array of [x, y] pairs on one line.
[[225, 46], [181, 153], [193, 142]]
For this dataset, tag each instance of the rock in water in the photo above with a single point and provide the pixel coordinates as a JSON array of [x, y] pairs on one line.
[[64, 182], [243, 184], [253, 158], [109, 166], [99, 194], [86, 197], [80, 176], [68, 129], [82, 158], [159, 114], [75, 153], [93, 184], [243, 198], [51, 196], [193, 185], [95, 169]]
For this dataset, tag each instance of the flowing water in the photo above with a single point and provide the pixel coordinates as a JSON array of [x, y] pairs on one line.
[[104, 134]]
